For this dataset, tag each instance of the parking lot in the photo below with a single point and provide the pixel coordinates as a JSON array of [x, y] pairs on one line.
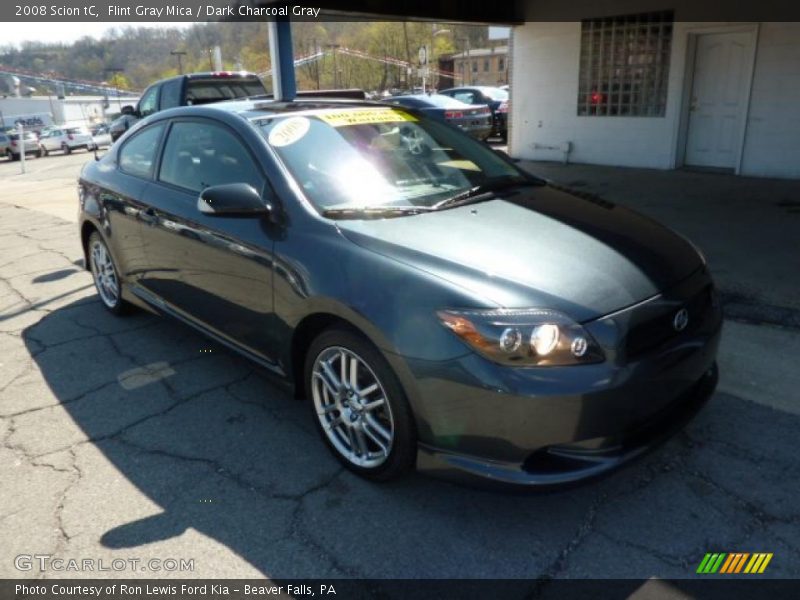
[[138, 439]]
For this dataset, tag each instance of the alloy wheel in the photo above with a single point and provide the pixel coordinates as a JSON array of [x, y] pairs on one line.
[[104, 273], [352, 407]]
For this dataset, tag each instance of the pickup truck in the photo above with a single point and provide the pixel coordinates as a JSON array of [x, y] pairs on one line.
[[202, 88], [190, 89]]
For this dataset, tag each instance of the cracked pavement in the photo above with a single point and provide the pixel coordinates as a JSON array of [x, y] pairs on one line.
[[136, 437]]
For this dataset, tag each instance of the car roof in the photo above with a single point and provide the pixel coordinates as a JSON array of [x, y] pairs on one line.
[[209, 75], [473, 87], [415, 96], [264, 107]]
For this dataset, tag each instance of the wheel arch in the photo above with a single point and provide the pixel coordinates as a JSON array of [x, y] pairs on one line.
[[87, 229], [304, 334]]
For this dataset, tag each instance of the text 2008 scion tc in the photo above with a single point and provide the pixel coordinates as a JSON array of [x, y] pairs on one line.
[[436, 305]]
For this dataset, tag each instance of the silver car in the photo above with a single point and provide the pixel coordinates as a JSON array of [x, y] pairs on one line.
[[101, 136], [5, 144], [15, 145], [65, 139]]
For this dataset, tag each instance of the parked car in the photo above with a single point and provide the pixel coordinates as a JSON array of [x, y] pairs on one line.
[[495, 98], [5, 145], [475, 120], [437, 305], [101, 136], [188, 89], [30, 143], [65, 139]]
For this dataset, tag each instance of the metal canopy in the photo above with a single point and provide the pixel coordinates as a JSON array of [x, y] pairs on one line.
[[508, 12], [505, 12]]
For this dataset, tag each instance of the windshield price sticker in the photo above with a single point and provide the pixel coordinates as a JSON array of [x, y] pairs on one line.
[[365, 117], [288, 131]]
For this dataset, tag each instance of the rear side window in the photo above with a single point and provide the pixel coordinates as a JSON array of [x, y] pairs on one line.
[[203, 91], [199, 154], [138, 155], [171, 94], [147, 105]]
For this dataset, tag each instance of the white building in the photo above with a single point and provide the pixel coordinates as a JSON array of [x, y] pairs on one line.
[[40, 111], [645, 89]]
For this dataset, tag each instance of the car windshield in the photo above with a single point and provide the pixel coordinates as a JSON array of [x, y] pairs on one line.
[[381, 158]]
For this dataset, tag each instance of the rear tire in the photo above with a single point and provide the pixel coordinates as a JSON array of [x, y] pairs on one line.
[[361, 413], [106, 276]]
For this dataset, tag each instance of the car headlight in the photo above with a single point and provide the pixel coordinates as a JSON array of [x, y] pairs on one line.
[[523, 337]]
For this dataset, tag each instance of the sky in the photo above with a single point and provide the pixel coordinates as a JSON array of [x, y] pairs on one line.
[[66, 32]]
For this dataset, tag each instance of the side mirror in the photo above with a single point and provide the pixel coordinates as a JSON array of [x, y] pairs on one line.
[[232, 199], [128, 110]]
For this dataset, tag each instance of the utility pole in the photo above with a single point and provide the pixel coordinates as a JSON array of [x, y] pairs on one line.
[[333, 48], [21, 132], [317, 63], [467, 64], [180, 54]]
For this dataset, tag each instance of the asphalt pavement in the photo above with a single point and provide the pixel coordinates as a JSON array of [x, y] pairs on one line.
[[138, 439]]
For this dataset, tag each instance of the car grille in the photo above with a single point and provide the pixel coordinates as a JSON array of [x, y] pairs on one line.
[[658, 330]]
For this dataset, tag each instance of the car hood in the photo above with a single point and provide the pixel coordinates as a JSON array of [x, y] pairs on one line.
[[538, 247]]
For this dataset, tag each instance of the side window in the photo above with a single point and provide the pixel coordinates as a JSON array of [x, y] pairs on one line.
[[171, 94], [466, 97], [199, 154], [138, 155], [147, 104]]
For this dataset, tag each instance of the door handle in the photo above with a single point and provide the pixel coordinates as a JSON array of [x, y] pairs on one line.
[[148, 216]]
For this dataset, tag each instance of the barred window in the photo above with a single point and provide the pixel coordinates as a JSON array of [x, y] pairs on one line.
[[625, 65]]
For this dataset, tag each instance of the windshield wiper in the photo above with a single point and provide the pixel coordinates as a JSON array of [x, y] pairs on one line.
[[475, 193], [374, 212]]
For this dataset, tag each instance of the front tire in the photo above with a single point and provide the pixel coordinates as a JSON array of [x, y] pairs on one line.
[[359, 406], [106, 276]]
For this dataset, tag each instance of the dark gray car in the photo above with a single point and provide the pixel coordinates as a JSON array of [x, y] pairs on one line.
[[435, 305], [475, 120]]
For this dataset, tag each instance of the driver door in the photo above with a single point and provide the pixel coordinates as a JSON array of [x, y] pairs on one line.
[[215, 270]]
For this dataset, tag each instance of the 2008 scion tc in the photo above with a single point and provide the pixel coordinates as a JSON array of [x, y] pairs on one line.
[[435, 304]]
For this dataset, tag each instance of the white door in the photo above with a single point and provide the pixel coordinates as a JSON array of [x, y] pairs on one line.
[[719, 92]]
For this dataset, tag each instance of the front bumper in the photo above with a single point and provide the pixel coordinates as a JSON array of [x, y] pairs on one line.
[[550, 426], [566, 463]]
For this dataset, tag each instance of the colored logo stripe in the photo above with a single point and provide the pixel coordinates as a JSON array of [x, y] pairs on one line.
[[735, 563], [711, 563], [731, 563], [758, 563]]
